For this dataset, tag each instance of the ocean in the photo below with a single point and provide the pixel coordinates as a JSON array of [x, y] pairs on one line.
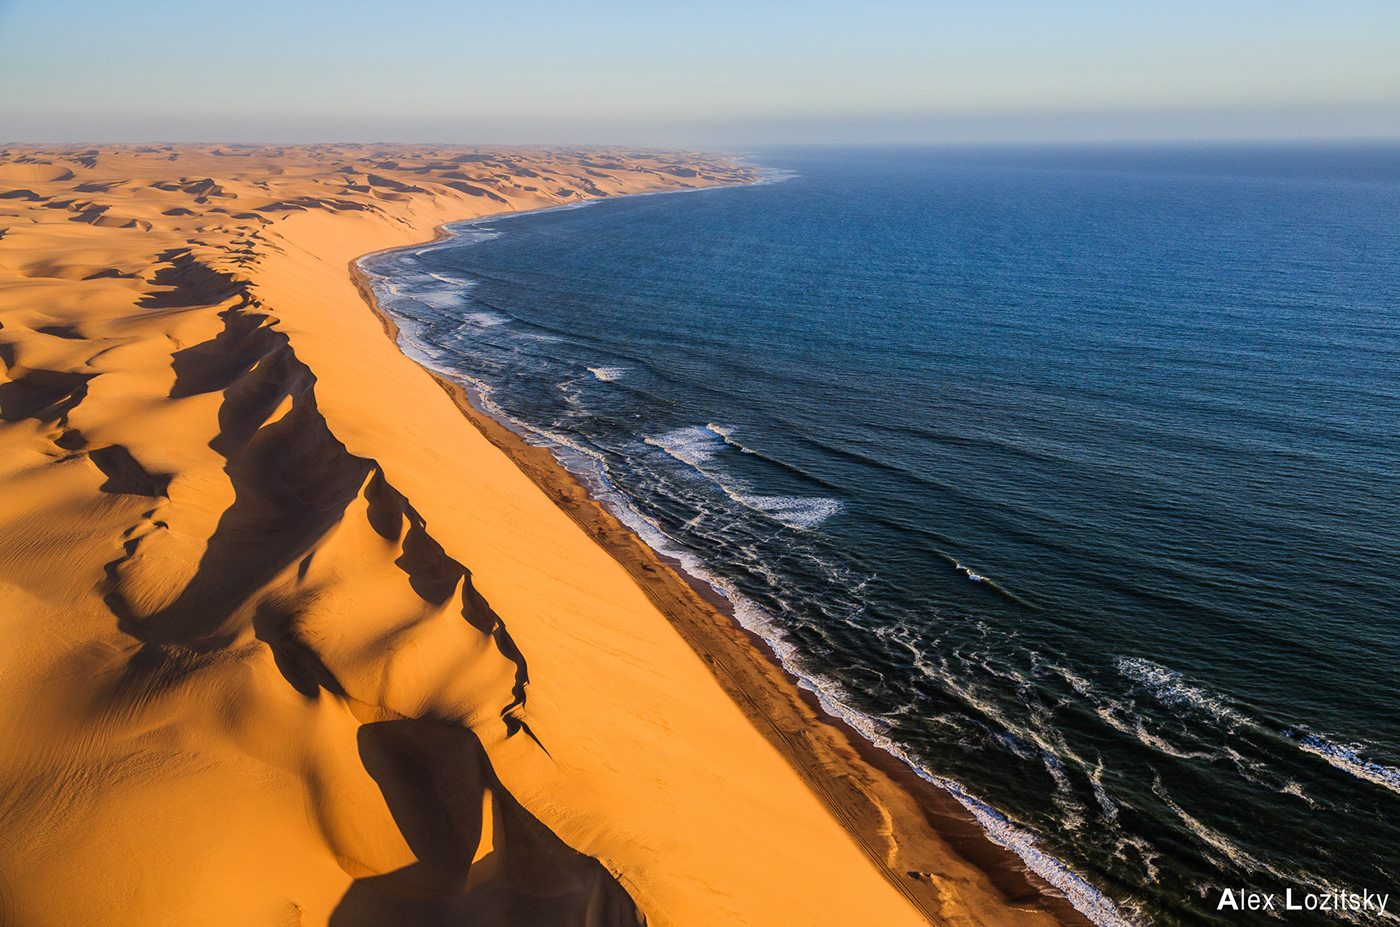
[[1070, 476]]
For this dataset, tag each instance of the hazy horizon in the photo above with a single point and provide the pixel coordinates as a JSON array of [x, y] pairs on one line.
[[1010, 71]]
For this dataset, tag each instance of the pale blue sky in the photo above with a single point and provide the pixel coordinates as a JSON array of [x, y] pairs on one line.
[[722, 72]]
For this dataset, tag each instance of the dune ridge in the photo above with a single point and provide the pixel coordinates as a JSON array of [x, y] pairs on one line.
[[292, 641]]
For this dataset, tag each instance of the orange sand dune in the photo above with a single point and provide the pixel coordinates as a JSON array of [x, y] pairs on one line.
[[291, 640]]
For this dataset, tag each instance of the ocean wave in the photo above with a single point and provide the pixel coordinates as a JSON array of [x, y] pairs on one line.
[[973, 576], [1224, 846], [1122, 715], [1071, 811], [425, 289], [691, 445], [452, 280], [1106, 804], [772, 175], [608, 374], [1145, 854], [1348, 758], [442, 300], [802, 512], [1161, 745], [1172, 689], [970, 574], [468, 232], [727, 433], [1087, 899], [484, 318], [696, 445], [1231, 852]]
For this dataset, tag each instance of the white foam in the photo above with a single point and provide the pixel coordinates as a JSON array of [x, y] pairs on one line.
[[1088, 900], [608, 374], [573, 395], [1218, 841], [441, 300], [772, 175], [802, 512], [1148, 739], [1348, 758], [1077, 682], [696, 445], [975, 577], [1144, 851], [1171, 688], [485, 318], [1071, 816], [1109, 807], [537, 336], [452, 280], [727, 433], [693, 445]]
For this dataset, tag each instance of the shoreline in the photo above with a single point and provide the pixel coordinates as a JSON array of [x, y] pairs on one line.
[[870, 790], [279, 606]]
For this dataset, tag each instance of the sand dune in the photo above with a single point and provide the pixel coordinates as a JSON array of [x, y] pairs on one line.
[[289, 640]]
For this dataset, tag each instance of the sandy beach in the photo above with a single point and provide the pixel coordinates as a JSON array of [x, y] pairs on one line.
[[295, 635]]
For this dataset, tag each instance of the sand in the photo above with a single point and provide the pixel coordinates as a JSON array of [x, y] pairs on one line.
[[291, 639]]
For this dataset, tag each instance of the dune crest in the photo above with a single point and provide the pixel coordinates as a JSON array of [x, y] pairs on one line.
[[290, 641]]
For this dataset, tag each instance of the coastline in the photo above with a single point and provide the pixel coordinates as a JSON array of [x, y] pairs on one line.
[[239, 534], [897, 816]]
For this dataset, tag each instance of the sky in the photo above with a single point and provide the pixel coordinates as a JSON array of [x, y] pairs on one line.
[[719, 73]]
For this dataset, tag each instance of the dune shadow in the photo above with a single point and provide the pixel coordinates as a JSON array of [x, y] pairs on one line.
[[45, 395], [482, 859], [191, 282], [292, 479]]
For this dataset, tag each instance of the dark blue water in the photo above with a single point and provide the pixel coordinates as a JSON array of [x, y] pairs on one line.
[[1073, 477]]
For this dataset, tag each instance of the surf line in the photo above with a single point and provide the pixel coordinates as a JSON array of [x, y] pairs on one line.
[[1080, 894]]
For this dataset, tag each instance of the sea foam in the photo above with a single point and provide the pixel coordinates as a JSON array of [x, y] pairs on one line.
[[697, 445], [1348, 758]]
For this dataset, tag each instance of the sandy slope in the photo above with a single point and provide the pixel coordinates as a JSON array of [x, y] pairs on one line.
[[288, 640]]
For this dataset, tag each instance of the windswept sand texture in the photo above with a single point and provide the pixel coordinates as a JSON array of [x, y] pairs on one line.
[[288, 640]]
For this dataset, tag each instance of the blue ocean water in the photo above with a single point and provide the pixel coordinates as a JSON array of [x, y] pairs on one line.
[[1070, 476]]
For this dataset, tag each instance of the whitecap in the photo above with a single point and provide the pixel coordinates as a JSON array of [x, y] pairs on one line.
[[1171, 688], [1218, 841], [692, 445], [802, 512], [607, 374], [452, 280], [1107, 804], [1348, 758], [970, 574], [1088, 900], [485, 318], [439, 299], [727, 433]]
